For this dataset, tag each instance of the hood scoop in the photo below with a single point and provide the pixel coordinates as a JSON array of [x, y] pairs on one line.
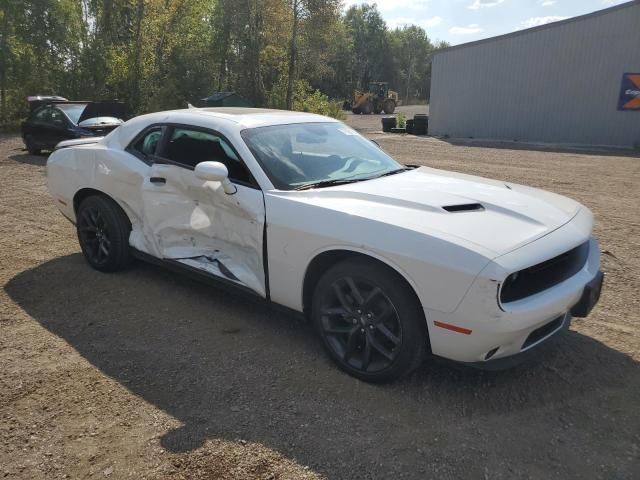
[[465, 207]]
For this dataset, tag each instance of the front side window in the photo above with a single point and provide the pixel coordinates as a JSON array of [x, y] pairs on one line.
[[190, 147], [298, 156]]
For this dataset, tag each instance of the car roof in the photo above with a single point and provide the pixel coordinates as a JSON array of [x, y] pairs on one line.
[[254, 117], [236, 118]]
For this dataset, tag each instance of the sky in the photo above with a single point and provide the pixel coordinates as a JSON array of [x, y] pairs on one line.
[[461, 21]]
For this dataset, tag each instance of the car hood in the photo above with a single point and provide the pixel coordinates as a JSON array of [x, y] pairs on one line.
[[509, 215]]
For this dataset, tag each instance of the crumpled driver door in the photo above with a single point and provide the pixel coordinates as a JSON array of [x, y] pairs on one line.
[[196, 223]]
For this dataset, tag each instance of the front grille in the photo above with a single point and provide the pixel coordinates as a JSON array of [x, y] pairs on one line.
[[543, 331], [544, 275]]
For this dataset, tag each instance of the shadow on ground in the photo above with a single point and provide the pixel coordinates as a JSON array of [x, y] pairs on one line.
[[28, 159], [228, 368]]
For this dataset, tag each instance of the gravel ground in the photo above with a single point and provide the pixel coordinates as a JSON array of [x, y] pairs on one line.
[[145, 374]]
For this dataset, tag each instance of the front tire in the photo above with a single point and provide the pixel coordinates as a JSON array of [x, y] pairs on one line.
[[389, 106], [369, 320], [103, 232]]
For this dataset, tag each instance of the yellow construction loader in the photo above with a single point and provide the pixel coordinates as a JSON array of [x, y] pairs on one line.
[[378, 99]]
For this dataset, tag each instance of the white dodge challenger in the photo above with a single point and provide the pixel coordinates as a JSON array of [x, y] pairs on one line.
[[389, 262]]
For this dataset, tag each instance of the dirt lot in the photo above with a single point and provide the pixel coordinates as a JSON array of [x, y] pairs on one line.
[[144, 374]]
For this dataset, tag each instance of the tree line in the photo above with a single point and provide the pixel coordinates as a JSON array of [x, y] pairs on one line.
[[160, 54]]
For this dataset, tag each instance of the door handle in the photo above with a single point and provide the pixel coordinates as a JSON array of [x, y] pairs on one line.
[[158, 180]]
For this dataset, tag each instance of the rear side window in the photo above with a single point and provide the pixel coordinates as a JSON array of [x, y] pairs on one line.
[[148, 143], [57, 117], [190, 147], [42, 115]]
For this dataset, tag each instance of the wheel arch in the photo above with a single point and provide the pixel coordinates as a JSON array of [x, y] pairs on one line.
[[328, 258], [86, 192], [83, 193]]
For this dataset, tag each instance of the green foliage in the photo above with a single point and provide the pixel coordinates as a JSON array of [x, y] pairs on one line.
[[371, 55], [160, 54], [401, 120], [316, 102], [305, 99]]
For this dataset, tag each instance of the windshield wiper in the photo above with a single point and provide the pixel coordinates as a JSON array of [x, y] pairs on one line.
[[329, 183], [343, 181], [391, 172]]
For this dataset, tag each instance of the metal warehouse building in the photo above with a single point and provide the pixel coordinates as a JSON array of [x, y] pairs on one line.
[[575, 81]]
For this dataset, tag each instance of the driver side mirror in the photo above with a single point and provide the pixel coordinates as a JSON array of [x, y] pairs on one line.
[[215, 172]]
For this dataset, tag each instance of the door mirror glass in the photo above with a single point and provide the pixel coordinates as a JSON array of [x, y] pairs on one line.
[[211, 171]]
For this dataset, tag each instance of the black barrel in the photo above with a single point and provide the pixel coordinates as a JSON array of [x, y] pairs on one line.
[[388, 123], [420, 124], [410, 125]]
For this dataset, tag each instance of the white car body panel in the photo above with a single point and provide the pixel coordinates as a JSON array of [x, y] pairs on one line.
[[78, 141], [455, 262]]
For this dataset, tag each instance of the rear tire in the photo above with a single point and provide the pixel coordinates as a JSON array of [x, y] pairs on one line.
[[369, 320], [28, 141], [103, 232]]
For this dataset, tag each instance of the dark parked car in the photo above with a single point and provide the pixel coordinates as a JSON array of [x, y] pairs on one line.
[[54, 119]]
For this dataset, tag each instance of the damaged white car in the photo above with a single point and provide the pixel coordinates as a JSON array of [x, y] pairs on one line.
[[389, 262]]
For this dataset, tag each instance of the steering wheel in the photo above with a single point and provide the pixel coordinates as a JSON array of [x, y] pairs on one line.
[[350, 163]]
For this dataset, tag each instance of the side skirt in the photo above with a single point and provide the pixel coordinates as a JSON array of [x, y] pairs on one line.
[[215, 281]]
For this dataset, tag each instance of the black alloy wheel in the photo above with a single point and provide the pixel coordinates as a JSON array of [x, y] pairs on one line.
[[94, 234], [103, 232], [369, 321]]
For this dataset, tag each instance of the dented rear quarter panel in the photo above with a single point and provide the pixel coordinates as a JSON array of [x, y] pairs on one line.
[[98, 167]]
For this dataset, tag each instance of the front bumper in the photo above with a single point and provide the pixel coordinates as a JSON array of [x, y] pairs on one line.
[[526, 354], [589, 299], [590, 296], [491, 332]]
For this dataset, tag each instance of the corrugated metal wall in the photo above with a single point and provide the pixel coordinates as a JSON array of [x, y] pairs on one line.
[[553, 84]]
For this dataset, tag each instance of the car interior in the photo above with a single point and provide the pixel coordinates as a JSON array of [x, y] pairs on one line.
[[190, 147]]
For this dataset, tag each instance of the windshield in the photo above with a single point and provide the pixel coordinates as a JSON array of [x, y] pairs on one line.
[[73, 110], [302, 154]]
